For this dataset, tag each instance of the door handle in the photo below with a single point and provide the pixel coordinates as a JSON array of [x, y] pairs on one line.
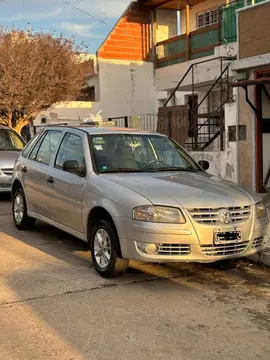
[[50, 180], [24, 169]]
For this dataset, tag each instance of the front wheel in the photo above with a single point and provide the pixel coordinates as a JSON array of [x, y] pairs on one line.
[[103, 245], [19, 211]]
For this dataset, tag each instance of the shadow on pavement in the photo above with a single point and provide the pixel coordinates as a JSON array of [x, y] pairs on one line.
[[49, 295]]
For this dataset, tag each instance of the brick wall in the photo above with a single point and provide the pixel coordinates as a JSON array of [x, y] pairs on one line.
[[254, 30], [130, 38]]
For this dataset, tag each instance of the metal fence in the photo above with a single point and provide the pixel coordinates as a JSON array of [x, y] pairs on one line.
[[147, 122], [206, 133]]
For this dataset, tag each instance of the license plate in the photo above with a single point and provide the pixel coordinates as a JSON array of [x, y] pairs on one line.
[[228, 236]]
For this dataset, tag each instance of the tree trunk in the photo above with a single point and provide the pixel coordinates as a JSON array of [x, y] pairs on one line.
[[9, 119], [21, 124]]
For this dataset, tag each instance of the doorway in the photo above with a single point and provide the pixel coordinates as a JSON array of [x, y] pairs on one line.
[[192, 101], [263, 133]]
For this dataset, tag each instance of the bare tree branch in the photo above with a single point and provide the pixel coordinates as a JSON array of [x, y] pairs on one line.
[[36, 70]]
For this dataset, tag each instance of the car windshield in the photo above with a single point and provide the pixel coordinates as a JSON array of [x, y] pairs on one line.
[[9, 140], [139, 153]]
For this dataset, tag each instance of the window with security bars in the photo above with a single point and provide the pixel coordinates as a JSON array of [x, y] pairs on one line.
[[206, 18]]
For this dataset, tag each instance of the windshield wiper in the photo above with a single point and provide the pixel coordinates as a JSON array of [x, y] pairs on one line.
[[167, 168], [127, 170], [173, 168]]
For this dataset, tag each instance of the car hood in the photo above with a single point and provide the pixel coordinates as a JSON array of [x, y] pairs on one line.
[[190, 190], [8, 158]]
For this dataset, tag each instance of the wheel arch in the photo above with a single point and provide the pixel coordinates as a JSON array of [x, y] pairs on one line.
[[15, 186], [100, 213]]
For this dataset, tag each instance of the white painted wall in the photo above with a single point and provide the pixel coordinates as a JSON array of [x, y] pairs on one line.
[[205, 5], [223, 163], [124, 88], [65, 111]]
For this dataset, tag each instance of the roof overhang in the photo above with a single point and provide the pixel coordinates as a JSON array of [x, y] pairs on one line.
[[251, 62], [169, 4]]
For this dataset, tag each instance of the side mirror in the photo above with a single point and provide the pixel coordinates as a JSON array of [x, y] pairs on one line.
[[204, 164], [73, 167]]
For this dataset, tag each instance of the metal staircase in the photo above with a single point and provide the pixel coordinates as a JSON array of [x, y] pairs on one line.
[[206, 124]]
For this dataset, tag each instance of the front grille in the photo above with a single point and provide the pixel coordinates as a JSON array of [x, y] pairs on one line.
[[224, 249], [174, 249], [7, 171], [211, 216], [258, 242]]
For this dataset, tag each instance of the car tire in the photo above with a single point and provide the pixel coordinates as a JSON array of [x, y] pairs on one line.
[[19, 211], [103, 246]]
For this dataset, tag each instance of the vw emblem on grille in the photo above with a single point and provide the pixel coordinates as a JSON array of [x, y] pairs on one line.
[[225, 216]]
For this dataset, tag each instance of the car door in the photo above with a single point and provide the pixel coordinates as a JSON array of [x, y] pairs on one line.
[[66, 188], [35, 169]]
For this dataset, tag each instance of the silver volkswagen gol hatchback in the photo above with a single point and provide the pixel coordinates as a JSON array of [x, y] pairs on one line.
[[134, 195]]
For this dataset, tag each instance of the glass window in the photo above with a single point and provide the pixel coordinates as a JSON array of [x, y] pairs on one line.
[[27, 149], [71, 149], [139, 153], [208, 17], [9, 140], [44, 151], [34, 150]]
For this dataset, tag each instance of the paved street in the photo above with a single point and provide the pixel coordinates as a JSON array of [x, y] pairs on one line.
[[54, 306]]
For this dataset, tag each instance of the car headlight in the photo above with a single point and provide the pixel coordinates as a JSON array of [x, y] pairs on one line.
[[260, 210], [159, 214]]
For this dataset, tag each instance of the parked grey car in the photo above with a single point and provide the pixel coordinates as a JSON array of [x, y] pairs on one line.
[[11, 145], [134, 195]]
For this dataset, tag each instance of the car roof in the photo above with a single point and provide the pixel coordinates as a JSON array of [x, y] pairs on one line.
[[103, 130], [2, 126], [8, 128]]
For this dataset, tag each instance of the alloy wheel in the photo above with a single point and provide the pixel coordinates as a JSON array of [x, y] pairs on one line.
[[102, 248], [18, 208]]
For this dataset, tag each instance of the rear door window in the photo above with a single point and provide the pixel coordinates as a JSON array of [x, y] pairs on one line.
[[45, 147], [71, 149]]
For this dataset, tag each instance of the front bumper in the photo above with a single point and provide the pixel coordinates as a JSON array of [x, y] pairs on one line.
[[5, 183], [180, 243]]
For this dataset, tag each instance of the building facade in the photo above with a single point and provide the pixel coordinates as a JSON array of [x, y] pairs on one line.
[[176, 67], [252, 129]]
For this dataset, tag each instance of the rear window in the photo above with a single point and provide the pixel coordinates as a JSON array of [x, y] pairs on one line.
[[10, 140]]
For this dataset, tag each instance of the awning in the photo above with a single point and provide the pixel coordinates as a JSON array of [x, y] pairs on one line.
[[245, 83], [262, 81]]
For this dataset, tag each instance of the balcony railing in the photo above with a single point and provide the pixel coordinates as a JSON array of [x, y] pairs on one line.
[[183, 48], [202, 42]]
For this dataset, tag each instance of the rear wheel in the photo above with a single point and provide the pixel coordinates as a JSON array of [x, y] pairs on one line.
[[19, 210], [103, 246]]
